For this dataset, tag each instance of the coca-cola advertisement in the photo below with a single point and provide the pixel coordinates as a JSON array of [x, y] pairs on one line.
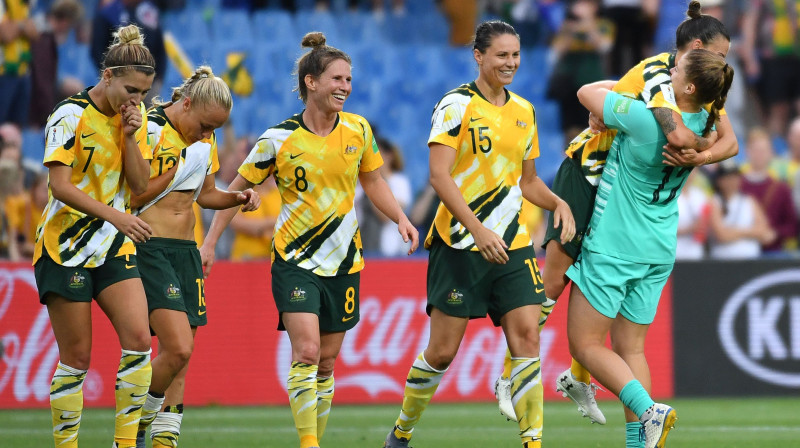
[[240, 358]]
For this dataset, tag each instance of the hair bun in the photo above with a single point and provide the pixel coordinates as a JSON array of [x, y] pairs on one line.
[[129, 35], [313, 39], [694, 10]]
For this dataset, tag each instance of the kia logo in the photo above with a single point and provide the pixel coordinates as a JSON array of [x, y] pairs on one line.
[[760, 304]]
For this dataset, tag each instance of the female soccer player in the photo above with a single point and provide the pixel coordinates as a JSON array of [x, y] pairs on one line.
[[628, 255], [579, 174], [483, 143], [95, 150], [317, 156], [182, 172]]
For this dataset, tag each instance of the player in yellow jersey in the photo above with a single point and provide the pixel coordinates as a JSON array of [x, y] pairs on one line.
[[483, 143], [181, 133], [580, 172], [316, 156], [96, 151]]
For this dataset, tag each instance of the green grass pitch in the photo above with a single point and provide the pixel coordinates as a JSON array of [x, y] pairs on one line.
[[702, 423]]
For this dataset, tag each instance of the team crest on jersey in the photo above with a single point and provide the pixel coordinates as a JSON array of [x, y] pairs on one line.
[[77, 281], [455, 298], [297, 295], [521, 124], [350, 149], [173, 292]]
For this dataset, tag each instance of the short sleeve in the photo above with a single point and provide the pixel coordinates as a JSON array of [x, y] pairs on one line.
[[446, 121], [260, 163], [532, 147], [628, 115], [141, 136], [59, 144], [371, 158], [213, 162]]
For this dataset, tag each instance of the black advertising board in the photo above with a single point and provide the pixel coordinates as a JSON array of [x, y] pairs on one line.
[[736, 327]]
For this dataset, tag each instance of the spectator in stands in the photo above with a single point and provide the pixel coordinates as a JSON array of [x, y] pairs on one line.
[[62, 17], [33, 206], [424, 209], [463, 15], [11, 135], [633, 26], [793, 140], [773, 194], [579, 47], [253, 231], [739, 226], [694, 210], [10, 186], [17, 31], [771, 57], [110, 15]]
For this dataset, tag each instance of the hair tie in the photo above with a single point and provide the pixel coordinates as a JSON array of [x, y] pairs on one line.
[[204, 75], [130, 66], [725, 69]]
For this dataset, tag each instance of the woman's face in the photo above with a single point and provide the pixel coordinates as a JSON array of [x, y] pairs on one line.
[[128, 88], [729, 184], [500, 62], [331, 89], [720, 46], [678, 75], [198, 121]]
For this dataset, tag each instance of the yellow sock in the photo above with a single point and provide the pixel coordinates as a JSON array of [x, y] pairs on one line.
[[507, 364], [167, 427], [66, 405], [579, 372], [547, 308], [302, 388], [527, 395], [421, 384], [133, 380], [324, 399]]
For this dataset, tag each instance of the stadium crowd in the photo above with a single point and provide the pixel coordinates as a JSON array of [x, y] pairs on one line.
[[51, 48]]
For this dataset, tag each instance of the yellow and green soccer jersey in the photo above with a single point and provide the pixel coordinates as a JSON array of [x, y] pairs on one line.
[[491, 142], [316, 176], [80, 136], [15, 55], [195, 161], [648, 81]]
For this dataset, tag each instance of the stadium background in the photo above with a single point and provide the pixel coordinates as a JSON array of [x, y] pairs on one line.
[[717, 334]]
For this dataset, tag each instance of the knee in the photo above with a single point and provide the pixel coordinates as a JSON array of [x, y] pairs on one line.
[[439, 358], [179, 356], [526, 342], [306, 352], [77, 359], [138, 341], [554, 285], [326, 367]]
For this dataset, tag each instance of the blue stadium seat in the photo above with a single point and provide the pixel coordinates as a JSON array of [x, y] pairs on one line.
[[188, 25], [74, 60], [307, 21], [359, 27], [547, 116], [231, 25], [33, 144], [241, 114], [370, 62], [274, 28], [432, 27]]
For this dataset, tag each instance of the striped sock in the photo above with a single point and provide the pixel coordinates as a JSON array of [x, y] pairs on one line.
[[302, 388], [133, 380], [66, 405], [547, 308], [507, 365], [324, 400], [527, 395], [167, 427], [421, 384]]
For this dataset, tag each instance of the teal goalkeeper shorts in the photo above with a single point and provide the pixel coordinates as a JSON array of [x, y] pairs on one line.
[[614, 286]]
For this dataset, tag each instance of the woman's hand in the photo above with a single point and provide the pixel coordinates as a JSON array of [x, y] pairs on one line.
[[131, 119], [562, 215], [409, 233], [249, 199], [491, 246], [132, 227]]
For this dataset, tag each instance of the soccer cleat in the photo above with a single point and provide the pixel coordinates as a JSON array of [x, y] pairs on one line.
[[392, 441], [502, 391], [657, 420], [581, 394]]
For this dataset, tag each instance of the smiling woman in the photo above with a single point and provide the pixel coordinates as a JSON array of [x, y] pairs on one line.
[[316, 157], [483, 143]]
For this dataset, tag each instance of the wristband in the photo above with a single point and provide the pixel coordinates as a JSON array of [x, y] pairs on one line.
[[708, 158]]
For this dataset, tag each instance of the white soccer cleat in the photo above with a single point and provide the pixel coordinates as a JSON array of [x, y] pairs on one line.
[[581, 394], [502, 391], [657, 420]]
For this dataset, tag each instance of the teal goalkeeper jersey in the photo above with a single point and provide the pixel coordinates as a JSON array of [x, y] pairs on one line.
[[635, 216]]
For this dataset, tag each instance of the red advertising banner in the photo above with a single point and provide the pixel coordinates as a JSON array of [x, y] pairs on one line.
[[240, 358]]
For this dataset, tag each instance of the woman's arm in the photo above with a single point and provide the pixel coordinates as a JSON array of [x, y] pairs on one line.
[[491, 245], [218, 224], [62, 189], [135, 167], [381, 196], [537, 193], [211, 197], [593, 96]]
